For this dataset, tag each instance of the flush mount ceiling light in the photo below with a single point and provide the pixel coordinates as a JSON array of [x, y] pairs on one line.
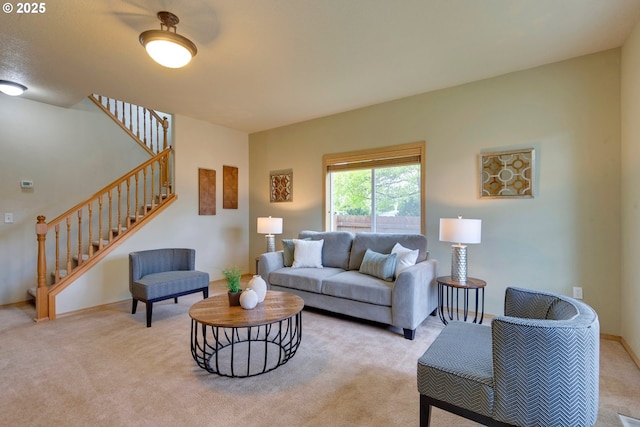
[[167, 48], [11, 88]]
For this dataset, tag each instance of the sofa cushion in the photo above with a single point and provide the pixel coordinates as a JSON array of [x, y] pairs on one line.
[[337, 246], [304, 279], [405, 257], [307, 253], [383, 243], [358, 287], [382, 266]]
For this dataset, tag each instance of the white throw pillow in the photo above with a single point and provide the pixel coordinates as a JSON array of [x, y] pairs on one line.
[[405, 257], [307, 253]]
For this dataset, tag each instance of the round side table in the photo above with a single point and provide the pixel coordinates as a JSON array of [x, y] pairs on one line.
[[449, 288]]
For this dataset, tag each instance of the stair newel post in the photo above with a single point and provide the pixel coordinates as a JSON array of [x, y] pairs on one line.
[[42, 302]]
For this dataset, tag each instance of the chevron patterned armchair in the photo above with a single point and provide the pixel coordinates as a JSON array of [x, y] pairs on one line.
[[538, 365]]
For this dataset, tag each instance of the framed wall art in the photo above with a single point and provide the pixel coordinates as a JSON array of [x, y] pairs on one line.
[[507, 174], [206, 192], [281, 186], [229, 187]]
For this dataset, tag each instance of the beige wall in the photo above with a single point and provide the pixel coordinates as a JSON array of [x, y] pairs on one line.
[[568, 235], [69, 154], [631, 190], [220, 240], [72, 153]]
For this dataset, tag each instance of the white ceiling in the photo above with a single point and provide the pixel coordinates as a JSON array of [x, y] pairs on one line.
[[268, 63]]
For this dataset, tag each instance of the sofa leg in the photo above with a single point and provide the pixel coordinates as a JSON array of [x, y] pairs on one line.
[[409, 334], [134, 306], [175, 300], [205, 293], [149, 312]]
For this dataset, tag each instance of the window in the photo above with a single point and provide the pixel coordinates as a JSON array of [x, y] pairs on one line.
[[379, 190]]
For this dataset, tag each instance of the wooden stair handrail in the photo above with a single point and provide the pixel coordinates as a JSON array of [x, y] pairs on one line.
[[154, 169], [105, 190]]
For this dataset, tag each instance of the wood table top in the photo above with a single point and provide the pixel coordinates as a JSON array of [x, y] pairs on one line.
[[215, 311], [471, 282]]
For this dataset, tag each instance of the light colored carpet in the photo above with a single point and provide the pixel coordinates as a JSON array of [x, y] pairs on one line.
[[103, 367]]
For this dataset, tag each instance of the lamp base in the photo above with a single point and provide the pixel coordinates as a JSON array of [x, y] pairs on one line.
[[271, 242], [459, 263]]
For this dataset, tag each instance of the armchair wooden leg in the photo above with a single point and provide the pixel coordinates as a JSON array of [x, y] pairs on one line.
[[149, 312], [425, 412], [134, 306]]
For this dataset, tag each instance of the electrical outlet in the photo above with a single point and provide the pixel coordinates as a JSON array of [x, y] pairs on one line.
[[8, 218], [577, 292]]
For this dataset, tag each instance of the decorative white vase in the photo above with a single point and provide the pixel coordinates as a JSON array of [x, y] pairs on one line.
[[259, 286], [248, 299]]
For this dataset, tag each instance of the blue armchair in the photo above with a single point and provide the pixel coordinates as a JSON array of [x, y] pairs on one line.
[[538, 365], [160, 274]]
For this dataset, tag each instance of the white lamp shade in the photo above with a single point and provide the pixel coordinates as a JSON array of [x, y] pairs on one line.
[[458, 230], [269, 225]]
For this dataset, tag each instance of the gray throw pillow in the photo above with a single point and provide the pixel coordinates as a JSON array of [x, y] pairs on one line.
[[379, 265]]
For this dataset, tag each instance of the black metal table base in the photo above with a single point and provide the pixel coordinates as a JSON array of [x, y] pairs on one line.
[[448, 292], [242, 352]]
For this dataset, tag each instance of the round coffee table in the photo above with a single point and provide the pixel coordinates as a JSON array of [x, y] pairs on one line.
[[234, 342]]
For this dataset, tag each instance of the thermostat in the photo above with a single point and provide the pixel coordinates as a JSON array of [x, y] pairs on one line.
[[26, 184]]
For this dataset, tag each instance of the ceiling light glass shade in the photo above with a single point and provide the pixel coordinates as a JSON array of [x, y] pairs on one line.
[[168, 49], [11, 88]]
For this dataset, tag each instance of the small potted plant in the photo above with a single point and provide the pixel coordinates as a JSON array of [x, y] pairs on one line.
[[233, 275]]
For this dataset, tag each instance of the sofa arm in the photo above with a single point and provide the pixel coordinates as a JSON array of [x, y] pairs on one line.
[[268, 262], [415, 294]]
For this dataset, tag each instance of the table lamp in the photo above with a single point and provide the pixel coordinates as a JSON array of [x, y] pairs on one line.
[[461, 232], [270, 226]]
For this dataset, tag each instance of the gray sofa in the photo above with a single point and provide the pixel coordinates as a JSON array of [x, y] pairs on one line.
[[340, 287]]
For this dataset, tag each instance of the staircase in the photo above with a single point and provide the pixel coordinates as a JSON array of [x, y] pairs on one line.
[[86, 233], [144, 125]]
